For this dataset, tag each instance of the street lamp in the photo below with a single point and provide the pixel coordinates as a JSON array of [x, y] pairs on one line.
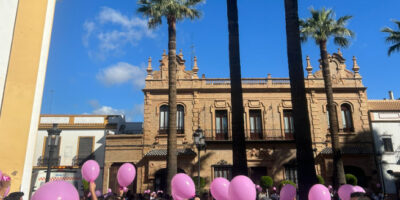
[[52, 141], [199, 141]]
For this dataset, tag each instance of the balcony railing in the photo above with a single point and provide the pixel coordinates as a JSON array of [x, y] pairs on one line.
[[43, 161], [165, 131], [250, 135], [80, 159]]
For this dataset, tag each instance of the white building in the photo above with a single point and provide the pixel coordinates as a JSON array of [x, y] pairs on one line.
[[385, 125], [82, 138]]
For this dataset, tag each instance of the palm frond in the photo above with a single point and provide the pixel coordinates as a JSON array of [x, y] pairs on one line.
[[341, 41], [394, 48], [322, 25]]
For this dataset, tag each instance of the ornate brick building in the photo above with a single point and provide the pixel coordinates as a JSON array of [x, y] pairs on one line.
[[205, 102]]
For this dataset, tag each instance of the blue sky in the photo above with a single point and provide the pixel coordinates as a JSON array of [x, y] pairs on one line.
[[99, 49]]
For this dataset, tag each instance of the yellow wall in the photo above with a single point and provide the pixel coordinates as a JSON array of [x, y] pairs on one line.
[[20, 87]]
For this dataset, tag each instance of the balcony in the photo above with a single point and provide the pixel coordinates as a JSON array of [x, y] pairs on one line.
[[80, 159], [43, 161], [164, 131], [215, 135]]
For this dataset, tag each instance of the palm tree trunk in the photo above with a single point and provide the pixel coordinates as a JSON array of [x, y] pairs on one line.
[[238, 138], [304, 152], [338, 171], [171, 150]]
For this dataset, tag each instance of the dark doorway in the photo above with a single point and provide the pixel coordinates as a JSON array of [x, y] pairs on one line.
[[359, 173], [113, 182], [160, 179], [256, 173]]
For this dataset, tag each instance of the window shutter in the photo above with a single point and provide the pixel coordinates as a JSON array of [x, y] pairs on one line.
[[85, 147]]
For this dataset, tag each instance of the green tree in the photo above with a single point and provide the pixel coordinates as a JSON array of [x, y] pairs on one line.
[[302, 130], [320, 179], [351, 179], [173, 11], [238, 139], [321, 26], [393, 37]]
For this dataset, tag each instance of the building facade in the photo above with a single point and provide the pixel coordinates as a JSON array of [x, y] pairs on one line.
[[82, 138], [385, 125], [25, 39], [205, 103]]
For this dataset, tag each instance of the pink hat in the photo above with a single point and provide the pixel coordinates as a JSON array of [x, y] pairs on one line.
[[274, 188]]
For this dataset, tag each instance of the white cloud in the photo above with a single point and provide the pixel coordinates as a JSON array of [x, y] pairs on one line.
[[112, 30], [133, 114], [120, 73], [107, 110], [89, 28]]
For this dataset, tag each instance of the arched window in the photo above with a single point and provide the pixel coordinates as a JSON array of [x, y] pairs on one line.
[[180, 123], [164, 119], [180, 113], [327, 116], [347, 118]]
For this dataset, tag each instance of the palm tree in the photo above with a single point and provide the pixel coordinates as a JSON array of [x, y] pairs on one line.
[[304, 152], [393, 38], [321, 26], [238, 140], [173, 11]]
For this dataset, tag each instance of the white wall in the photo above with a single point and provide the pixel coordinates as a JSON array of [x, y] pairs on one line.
[[387, 124], [69, 145]]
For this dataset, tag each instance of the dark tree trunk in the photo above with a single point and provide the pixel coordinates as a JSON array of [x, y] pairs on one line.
[[171, 150], [304, 152], [238, 138], [338, 171]]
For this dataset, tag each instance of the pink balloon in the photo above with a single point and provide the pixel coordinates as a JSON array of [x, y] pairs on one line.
[[90, 170], [288, 192], [319, 192], [183, 186], [242, 188], [176, 197], [59, 190], [358, 189], [98, 193], [126, 174], [219, 188], [345, 191]]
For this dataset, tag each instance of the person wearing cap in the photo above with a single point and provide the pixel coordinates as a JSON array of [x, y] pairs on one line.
[[15, 196]]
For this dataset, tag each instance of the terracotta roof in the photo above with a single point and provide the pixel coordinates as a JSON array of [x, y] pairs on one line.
[[383, 104], [163, 152]]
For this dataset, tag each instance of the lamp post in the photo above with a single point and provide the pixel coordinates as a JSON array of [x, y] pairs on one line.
[[52, 141], [199, 141]]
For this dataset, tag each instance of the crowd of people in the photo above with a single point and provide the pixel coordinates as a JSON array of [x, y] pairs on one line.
[[5, 184]]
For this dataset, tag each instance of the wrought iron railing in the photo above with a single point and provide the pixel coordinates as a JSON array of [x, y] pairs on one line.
[[250, 135], [165, 131], [44, 160], [80, 159]]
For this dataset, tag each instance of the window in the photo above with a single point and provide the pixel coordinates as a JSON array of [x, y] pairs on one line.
[[255, 124], [224, 171], [221, 124], [346, 118], [46, 149], [327, 116], [180, 114], [291, 173], [288, 122], [180, 119], [85, 148], [163, 119], [387, 144]]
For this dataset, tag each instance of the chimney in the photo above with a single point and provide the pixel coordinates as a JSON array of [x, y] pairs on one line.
[[391, 96]]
